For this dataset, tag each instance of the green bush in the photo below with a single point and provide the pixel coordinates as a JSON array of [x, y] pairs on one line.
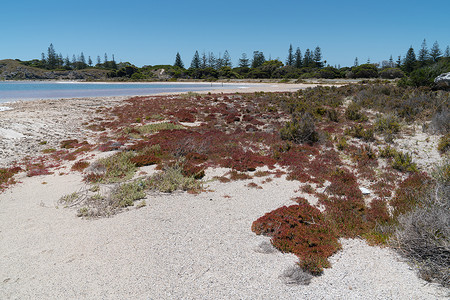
[[403, 162], [392, 73], [387, 124], [353, 112], [300, 130], [444, 143], [364, 71], [172, 179]]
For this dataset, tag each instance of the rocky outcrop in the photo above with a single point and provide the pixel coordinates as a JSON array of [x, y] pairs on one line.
[[443, 80]]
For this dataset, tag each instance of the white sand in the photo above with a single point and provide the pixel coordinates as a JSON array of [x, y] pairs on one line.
[[179, 246]]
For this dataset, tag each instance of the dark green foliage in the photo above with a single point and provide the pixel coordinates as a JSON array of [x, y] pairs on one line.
[[435, 52], [317, 57], [290, 58], [258, 59], [391, 73], [353, 112], [409, 63], [308, 59], [298, 63], [195, 64], [301, 129], [444, 143], [364, 71], [178, 62], [244, 62]]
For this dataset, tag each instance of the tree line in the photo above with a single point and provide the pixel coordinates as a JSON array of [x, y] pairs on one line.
[[419, 68], [54, 61]]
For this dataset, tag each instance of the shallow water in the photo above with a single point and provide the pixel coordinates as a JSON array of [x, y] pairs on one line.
[[32, 90]]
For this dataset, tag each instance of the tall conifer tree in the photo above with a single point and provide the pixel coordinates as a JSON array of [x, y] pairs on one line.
[[227, 59], [195, 63], [318, 57], [178, 61], [298, 62], [308, 58], [435, 52], [410, 60], [290, 57], [423, 53], [244, 62]]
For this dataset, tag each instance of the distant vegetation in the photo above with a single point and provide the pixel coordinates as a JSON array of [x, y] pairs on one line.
[[413, 70]]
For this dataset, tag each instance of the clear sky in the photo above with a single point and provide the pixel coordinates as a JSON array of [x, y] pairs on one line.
[[151, 32]]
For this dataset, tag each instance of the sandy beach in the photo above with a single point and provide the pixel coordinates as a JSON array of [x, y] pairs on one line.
[[178, 246]]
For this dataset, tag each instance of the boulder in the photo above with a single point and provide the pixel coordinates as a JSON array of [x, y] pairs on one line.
[[443, 80]]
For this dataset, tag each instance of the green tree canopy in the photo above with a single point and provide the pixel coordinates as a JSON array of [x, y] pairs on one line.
[[298, 62], [435, 52], [178, 61], [244, 62], [317, 57], [258, 59], [423, 53], [410, 60], [195, 64], [290, 58]]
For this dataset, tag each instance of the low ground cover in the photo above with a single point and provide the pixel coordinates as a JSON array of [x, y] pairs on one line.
[[334, 141]]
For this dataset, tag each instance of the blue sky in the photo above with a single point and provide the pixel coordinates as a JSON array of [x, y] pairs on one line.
[[151, 32]]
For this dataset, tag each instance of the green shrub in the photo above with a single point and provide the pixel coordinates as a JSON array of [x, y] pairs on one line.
[[403, 162], [353, 112], [364, 71], [172, 179], [125, 194], [392, 73], [444, 143], [116, 168], [300, 130], [387, 124]]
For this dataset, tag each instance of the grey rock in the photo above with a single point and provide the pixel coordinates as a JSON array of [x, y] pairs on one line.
[[443, 80]]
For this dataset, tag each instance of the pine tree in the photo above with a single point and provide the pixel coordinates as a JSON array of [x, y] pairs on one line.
[[317, 58], [308, 58], [423, 53], [290, 58], [219, 62], [89, 61], [391, 62], [447, 52], [82, 59], [356, 63], [113, 63], [212, 61], [410, 60], [298, 62], [178, 61], [435, 52], [195, 63], [227, 59], [99, 61], [106, 59], [51, 57], [244, 62], [204, 62], [258, 59], [67, 62]]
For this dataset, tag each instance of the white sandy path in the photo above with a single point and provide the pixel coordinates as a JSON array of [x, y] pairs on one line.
[[180, 246]]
